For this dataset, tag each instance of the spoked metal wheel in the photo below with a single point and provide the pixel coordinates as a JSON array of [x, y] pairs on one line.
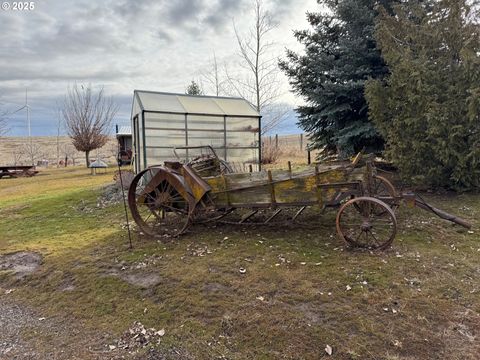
[[384, 190], [159, 202], [367, 222]]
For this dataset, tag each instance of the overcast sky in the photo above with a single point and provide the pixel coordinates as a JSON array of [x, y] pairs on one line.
[[123, 45]]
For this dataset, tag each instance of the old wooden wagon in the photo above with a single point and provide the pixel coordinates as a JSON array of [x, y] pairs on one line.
[[17, 171], [165, 200]]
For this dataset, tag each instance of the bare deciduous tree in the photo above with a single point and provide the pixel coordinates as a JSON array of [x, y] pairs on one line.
[[32, 151], [273, 116], [59, 128], [68, 153], [260, 85], [113, 149], [17, 157], [88, 117], [212, 76]]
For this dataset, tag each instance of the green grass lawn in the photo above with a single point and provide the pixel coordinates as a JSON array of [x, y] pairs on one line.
[[301, 291]]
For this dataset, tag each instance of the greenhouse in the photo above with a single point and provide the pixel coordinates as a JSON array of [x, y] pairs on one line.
[[162, 122]]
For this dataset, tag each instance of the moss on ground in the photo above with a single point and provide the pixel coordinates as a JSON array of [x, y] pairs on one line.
[[418, 300]]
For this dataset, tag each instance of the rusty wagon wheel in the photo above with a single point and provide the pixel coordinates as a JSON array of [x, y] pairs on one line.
[[366, 222], [384, 190], [159, 203]]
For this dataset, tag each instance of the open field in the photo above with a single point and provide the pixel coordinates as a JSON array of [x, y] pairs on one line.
[[302, 289], [16, 150]]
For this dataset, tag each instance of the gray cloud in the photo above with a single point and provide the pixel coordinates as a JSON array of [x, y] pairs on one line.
[[132, 9], [164, 35], [122, 44], [222, 13], [182, 11], [282, 8]]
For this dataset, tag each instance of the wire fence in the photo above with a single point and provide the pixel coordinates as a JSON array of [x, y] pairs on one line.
[[281, 148], [296, 141]]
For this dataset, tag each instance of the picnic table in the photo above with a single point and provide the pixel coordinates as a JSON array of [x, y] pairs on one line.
[[17, 171]]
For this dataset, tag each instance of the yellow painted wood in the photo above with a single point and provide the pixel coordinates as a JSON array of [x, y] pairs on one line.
[[256, 188]]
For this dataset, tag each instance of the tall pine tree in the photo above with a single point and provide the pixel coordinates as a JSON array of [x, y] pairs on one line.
[[428, 108], [193, 89], [340, 55]]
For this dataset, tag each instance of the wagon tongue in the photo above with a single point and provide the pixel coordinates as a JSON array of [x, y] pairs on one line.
[[417, 201]]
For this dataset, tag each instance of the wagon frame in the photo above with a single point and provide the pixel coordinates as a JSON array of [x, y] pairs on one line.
[[165, 200]]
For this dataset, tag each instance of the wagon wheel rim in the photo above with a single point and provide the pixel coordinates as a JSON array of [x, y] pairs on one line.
[[161, 211], [384, 190], [367, 222]]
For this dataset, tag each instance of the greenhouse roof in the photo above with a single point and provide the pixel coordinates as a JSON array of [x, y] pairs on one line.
[[192, 104], [124, 130]]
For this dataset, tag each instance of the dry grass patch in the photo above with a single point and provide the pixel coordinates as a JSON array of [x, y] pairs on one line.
[[301, 290]]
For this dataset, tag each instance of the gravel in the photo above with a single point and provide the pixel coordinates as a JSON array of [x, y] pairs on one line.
[[26, 334]]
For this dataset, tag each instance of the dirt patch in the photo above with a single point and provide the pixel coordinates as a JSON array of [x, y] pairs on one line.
[[22, 263], [461, 335], [14, 211], [140, 279], [143, 280], [310, 312]]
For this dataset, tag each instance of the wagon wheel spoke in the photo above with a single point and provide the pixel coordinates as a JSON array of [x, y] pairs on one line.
[[374, 238], [158, 208], [385, 191], [374, 219]]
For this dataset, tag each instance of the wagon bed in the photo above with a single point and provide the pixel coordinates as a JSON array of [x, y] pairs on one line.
[[166, 200], [17, 171]]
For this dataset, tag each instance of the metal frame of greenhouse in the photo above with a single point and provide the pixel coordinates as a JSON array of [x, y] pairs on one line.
[[164, 121]]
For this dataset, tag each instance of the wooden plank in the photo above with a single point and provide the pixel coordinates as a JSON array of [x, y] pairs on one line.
[[273, 216], [248, 216], [272, 188], [299, 212], [226, 192], [284, 187], [267, 205]]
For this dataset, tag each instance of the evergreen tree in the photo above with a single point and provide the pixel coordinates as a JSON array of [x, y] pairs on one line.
[[340, 55], [193, 89], [428, 107]]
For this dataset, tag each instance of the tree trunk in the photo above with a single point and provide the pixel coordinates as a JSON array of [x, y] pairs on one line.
[[87, 159]]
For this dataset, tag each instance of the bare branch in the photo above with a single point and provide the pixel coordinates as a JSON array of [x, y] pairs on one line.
[[213, 77], [275, 115], [260, 85], [88, 118], [32, 151], [17, 156]]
